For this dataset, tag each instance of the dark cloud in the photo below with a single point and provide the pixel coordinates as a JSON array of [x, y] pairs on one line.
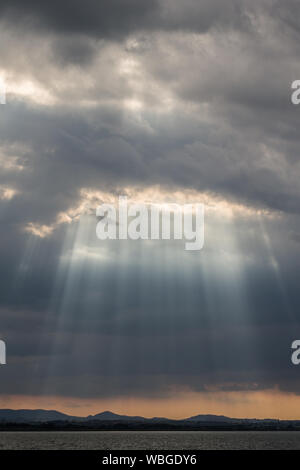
[[115, 19], [288, 13], [118, 18], [75, 50], [105, 18], [74, 150], [193, 96]]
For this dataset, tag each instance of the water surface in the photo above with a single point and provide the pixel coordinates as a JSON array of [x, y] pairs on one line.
[[150, 440]]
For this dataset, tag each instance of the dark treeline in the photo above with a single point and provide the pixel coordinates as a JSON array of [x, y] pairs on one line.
[[142, 426]]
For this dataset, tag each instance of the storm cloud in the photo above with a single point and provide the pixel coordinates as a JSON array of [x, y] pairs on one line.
[[128, 97]]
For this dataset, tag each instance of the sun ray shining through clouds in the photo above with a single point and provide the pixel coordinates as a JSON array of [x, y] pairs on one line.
[[156, 290]]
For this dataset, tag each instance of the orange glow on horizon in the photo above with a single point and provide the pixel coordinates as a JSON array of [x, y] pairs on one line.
[[252, 404]]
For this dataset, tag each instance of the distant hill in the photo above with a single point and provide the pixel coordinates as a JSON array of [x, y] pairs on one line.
[[43, 416], [225, 419], [109, 416], [109, 419], [212, 419], [25, 416]]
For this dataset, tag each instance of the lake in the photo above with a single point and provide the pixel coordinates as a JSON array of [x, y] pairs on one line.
[[150, 440]]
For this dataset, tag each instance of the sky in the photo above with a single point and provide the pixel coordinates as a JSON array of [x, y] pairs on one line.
[[163, 101]]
